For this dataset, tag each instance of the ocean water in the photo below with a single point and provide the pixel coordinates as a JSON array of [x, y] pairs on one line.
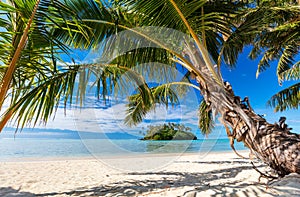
[[42, 148], [55, 143]]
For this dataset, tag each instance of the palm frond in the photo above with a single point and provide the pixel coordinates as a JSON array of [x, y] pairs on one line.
[[276, 36], [39, 57], [216, 23], [41, 99], [206, 121], [245, 28], [292, 73], [145, 55], [286, 60], [268, 29], [165, 94], [7, 78], [175, 15], [288, 98], [264, 63], [136, 110], [82, 32]]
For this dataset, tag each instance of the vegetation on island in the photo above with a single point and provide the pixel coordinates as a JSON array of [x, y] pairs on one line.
[[170, 131], [36, 80]]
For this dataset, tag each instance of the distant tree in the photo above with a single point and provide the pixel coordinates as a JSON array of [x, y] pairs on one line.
[[170, 131]]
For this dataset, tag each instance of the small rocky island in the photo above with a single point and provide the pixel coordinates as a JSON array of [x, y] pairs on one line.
[[170, 131]]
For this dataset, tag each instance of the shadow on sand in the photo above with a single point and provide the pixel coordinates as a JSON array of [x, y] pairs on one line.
[[163, 181], [9, 191]]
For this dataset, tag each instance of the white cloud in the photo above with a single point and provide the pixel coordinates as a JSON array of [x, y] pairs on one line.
[[111, 119]]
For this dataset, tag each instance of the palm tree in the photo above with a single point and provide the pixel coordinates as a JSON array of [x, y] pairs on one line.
[[272, 29], [196, 28], [272, 143]]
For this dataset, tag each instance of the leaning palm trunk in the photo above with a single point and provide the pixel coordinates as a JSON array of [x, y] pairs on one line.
[[272, 143]]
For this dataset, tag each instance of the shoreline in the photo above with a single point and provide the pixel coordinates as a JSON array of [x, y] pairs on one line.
[[118, 156]]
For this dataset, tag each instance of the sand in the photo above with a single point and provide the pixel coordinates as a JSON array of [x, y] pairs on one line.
[[212, 174]]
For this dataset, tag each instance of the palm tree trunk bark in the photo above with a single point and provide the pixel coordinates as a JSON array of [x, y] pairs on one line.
[[274, 144]]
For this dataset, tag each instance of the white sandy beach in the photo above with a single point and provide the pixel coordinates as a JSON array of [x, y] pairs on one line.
[[214, 174]]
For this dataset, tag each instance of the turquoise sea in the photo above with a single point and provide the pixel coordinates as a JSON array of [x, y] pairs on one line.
[[58, 144]]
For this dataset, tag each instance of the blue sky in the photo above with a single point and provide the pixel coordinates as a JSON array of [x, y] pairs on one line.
[[259, 90], [244, 81]]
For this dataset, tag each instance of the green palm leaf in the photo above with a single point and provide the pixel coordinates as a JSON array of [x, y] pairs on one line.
[[37, 63], [39, 102], [165, 94], [292, 73], [206, 121], [273, 31], [288, 98], [286, 61]]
